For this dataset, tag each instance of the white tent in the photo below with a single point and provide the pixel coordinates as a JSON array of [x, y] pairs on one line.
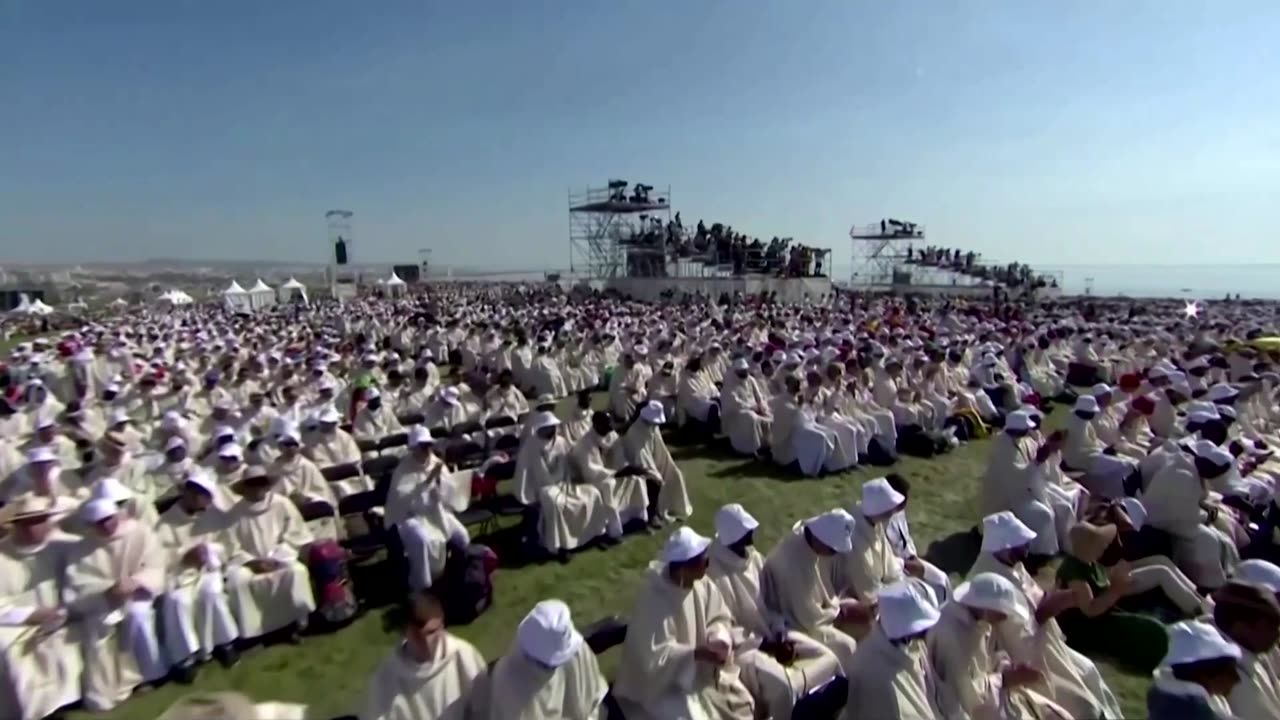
[[175, 297], [236, 297], [395, 286], [38, 307], [261, 295], [292, 291]]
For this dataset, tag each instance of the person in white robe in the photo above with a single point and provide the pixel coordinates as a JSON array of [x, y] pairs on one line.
[[871, 563], [679, 661], [643, 450], [1178, 502], [298, 478], [786, 665], [40, 656], [269, 586], [628, 387], [796, 585], [746, 415], [626, 497], [331, 445], [549, 674], [1111, 476], [892, 675], [447, 410], [504, 399], [113, 578], [544, 376], [972, 678], [431, 674], [898, 534], [796, 438], [376, 420], [416, 510], [1248, 615], [695, 393], [1198, 675], [1033, 638], [196, 612], [570, 514], [42, 474], [1015, 479]]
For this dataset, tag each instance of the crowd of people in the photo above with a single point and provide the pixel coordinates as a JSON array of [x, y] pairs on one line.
[[177, 484], [1013, 275], [652, 244]]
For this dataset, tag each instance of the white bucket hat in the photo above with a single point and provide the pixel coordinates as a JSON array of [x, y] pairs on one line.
[[98, 509], [684, 544], [904, 611], [421, 436], [733, 522], [989, 591], [1018, 421], [653, 413], [834, 529], [449, 395], [879, 497], [1193, 641], [1086, 404], [231, 451], [203, 480], [109, 488], [547, 634], [328, 415], [41, 454], [1003, 530], [1259, 572], [545, 420]]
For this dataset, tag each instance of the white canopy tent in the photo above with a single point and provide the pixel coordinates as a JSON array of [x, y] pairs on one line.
[[175, 297], [292, 291], [27, 307], [261, 295], [394, 285], [236, 297]]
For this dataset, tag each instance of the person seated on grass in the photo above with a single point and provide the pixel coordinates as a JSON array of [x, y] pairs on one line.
[[1249, 616], [431, 674], [788, 664], [972, 679], [550, 671], [696, 392], [796, 438], [1015, 480], [36, 678], [745, 413], [898, 534], [679, 659], [270, 587], [1106, 474], [592, 461], [871, 563], [1033, 638], [892, 675], [416, 512], [570, 514], [1196, 677], [642, 449], [796, 584]]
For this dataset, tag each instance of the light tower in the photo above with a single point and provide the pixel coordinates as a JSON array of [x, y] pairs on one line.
[[880, 249], [603, 223]]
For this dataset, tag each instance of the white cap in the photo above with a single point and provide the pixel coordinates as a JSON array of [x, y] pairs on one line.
[[1002, 530], [98, 509], [904, 611], [1259, 572], [879, 497], [1018, 421], [328, 415], [421, 436], [119, 416], [741, 364], [45, 421], [173, 420], [202, 479], [373, 394], [1193, 641], [231, 451], [175, 441], [1206, 450], [449, 395], [547, 634], [1100, 389], [109, 488], [683, 545], [1086, 404], [733, 522], [328, 383], [545, 419], [834, 529], [1201, 417], [989, 591], [288, 432], [41, 453], [653, 413], [223, 431], [1221, 392], [1157, 372]]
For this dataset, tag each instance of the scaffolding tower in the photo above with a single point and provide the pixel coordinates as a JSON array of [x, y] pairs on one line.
[[880, 250], [607, 230]]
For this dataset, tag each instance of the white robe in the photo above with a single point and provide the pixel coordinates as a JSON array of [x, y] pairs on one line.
[[120, 646], [570, 514], [626, 498], [523, 689], [444, 688], [39, 670], [659, 678], [272, 529], [196, 613], [892, 681], [643, 447], [417, 509], [745, 415]]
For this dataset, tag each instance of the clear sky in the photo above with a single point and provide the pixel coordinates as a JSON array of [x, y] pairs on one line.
[[1048, 132]]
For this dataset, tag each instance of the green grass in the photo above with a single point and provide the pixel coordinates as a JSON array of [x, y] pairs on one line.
[[330, 672]]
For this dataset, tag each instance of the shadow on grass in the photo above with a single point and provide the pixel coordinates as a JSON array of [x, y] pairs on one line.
[[955, 553]]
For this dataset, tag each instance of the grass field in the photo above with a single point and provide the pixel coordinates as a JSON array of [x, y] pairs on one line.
[[330, 671]]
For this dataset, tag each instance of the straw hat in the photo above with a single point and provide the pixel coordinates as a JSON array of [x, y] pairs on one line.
[[28, 505], [1089, 541]]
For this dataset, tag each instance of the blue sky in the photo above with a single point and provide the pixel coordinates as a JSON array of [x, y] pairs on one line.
[[1049, 132]]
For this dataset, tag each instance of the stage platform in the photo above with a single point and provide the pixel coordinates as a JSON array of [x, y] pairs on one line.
[[791, 290]]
